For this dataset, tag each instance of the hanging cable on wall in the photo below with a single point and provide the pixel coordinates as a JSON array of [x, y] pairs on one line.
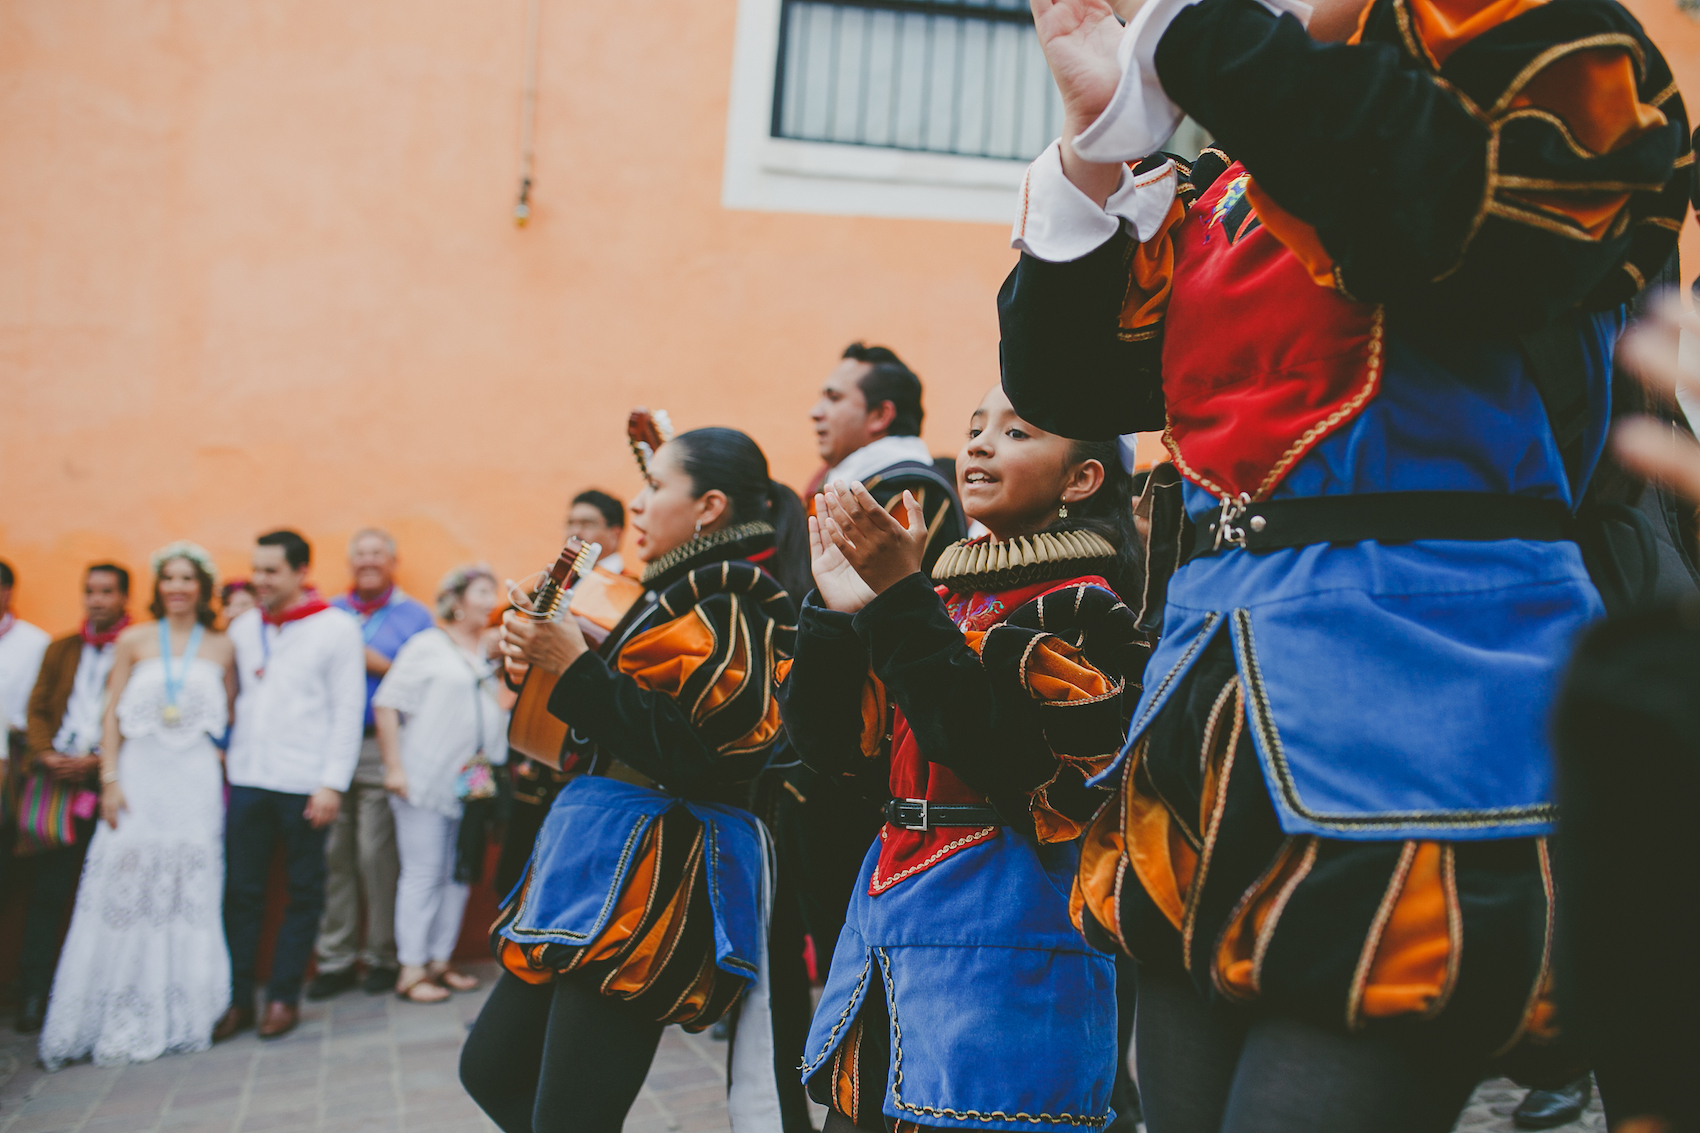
[[528, 112]]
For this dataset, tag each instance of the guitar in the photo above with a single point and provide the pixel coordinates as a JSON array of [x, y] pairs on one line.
[[599, 603], [532, 730]]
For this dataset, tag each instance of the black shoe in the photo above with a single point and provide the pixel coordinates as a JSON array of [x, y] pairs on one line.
[[1548, 1109], [325, 985], [32, 1012], [380, 980]]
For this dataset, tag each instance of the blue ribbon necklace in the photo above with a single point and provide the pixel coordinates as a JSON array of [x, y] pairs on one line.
[[171, 714]]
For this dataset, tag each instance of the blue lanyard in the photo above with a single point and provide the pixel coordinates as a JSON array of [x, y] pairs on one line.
[[174, 685], [369, 628]]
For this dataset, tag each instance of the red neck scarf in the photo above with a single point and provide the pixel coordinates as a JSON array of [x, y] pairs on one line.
[[309, 605], [366, 609], [102, 640]]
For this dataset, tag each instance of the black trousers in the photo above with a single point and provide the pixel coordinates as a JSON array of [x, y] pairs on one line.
[[1205, 1071], [256, 821], [556, 1057], [54, 884]]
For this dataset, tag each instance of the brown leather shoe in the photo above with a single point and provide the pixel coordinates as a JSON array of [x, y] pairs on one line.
[[233, 1022], [280, 1020]]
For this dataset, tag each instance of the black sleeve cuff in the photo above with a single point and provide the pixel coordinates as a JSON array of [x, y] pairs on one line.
[[586, 682], [817, 621], [902, 599]]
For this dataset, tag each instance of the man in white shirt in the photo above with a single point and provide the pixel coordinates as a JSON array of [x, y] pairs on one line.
[[66, 706], [21, 647], [868, 428], [293, 749]]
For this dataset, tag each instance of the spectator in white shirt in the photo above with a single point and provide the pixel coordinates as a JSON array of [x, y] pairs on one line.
[[21, 647], [53, 692], [293, 749], [441, 726]]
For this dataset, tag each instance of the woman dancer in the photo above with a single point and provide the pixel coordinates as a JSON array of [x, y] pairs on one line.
[[145, 971], [441, 726], [611, 935], [961, 996], [1375, 322]]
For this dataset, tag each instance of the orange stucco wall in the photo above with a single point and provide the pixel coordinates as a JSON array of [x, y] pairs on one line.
[[258, 267]]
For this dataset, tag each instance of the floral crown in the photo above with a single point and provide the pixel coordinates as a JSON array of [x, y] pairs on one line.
[[183, 549]]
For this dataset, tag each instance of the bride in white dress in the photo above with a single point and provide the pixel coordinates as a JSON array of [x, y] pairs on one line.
[[145, 970]]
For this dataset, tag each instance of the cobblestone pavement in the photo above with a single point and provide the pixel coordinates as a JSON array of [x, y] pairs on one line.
[[374, 1064]]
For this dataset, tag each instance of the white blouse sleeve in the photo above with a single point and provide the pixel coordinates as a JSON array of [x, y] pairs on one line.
[[404, 686]]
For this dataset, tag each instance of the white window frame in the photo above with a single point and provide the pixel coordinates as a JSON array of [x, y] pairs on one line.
[[769, 174]]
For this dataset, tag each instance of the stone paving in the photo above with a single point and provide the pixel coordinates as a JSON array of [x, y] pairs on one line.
[[375, 1064]]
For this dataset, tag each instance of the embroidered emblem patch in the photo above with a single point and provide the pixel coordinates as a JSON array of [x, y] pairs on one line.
[[1233, 209]]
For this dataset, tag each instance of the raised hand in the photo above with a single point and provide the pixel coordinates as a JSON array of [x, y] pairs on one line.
[[1079, 38], [841, 588], [882, 550], [1649, 446]]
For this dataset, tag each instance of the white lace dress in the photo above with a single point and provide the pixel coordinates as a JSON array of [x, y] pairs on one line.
[[145, 970]]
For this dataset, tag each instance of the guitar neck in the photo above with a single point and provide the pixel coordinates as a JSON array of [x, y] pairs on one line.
[[575, 562]]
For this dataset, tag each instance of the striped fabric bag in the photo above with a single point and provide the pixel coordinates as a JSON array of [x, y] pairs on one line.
[[47, 812]]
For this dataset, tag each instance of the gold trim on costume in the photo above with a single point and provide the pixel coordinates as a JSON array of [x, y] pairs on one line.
[[703, 543]]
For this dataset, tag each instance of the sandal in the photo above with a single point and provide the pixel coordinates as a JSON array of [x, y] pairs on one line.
[[416, 986], [447, 977]]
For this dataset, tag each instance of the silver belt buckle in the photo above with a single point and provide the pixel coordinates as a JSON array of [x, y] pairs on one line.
[[897, 806]]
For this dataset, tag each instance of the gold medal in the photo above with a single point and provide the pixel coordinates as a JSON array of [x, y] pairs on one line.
[[170, 714]]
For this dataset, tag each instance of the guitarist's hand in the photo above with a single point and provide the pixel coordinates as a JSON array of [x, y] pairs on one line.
[[551, 646]]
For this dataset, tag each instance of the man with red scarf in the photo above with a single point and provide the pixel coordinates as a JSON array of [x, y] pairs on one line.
[[293, 749], [63, 738], [360, 852]]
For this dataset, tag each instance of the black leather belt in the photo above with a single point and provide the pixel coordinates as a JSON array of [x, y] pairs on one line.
[[919, 814], [1386, 517]]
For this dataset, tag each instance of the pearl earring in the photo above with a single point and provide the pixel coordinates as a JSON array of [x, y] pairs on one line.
[[1062, 511], [698, 534]]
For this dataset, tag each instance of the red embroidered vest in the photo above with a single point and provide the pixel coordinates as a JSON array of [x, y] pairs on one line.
[[905, 853], [1252, 385]]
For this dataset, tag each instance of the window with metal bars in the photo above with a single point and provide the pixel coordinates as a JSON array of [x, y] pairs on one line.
[[962, 77]]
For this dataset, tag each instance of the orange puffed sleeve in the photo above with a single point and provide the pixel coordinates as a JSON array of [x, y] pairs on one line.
[[1081, 715]]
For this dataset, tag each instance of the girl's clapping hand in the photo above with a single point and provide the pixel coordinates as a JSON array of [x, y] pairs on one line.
[[880, 549]]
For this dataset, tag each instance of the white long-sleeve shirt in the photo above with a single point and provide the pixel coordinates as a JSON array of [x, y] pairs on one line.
[[21, 648], [80, 729], [301, 710]]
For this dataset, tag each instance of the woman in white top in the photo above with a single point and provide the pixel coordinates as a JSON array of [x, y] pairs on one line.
[[145, 971], [441, 722]]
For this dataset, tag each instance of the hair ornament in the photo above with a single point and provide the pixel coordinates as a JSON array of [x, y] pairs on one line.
[[183, 549], [647, 430]]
